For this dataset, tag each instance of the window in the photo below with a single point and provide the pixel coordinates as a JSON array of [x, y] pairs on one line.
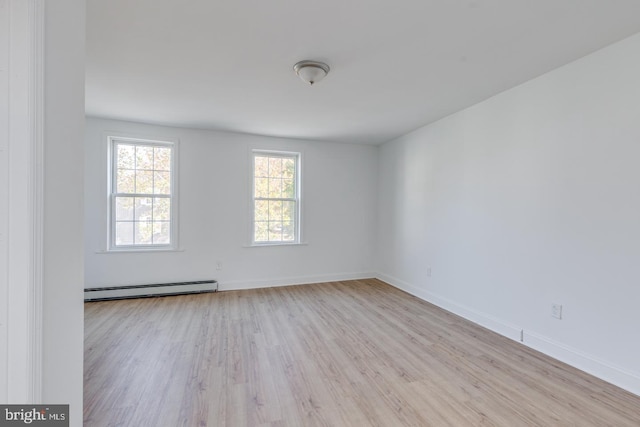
[[142, 194], [276, 197]]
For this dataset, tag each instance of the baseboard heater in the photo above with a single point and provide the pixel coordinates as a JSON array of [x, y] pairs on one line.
[[145, 291]]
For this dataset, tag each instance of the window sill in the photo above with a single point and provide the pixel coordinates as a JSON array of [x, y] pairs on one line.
[[269, 245], [137, 251]]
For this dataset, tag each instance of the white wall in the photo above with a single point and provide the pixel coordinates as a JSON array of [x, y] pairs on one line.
[[63, 204], [529, 198], [339, 212]]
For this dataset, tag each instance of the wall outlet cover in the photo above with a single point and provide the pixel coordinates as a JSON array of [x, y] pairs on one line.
[[556, 311]]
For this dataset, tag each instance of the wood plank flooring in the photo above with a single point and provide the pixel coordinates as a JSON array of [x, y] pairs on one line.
[[355, 353]]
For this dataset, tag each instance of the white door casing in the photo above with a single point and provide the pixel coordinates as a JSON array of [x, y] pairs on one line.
[[21, 199], [4, 195]]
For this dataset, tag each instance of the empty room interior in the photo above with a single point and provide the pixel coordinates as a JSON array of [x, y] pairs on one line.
[[342, 213]]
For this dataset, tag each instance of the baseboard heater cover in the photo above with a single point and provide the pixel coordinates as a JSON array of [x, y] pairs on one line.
[[145, 291]]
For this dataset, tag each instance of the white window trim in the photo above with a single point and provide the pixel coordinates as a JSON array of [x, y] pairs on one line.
[[114, 138], [299, 216]]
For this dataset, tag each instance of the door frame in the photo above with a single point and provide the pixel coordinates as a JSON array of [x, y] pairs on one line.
[[23, 146]]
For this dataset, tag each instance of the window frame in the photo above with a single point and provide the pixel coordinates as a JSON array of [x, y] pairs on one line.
[[297, 199], [113, 141]]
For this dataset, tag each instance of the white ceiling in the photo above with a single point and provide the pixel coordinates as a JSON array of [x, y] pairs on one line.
[[395, 64]]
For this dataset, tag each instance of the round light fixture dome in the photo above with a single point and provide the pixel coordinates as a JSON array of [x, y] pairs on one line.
[[311, 71]]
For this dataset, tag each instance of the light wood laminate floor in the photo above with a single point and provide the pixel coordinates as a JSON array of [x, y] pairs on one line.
[[355, 353]]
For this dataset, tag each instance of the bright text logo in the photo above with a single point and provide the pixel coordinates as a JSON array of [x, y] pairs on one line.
[[37, 415]]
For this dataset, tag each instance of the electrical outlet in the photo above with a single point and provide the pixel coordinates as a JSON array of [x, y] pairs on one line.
[[219, 265], [556, 311], [429, 271]]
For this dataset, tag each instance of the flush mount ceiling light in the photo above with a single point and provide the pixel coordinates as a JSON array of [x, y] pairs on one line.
[[311, 71]]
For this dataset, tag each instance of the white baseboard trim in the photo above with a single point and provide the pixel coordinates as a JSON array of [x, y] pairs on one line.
[[606, 371], [496, 325], [289, 281]]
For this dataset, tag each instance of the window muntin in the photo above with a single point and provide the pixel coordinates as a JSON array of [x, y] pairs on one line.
[[142, 194], [275, 197]]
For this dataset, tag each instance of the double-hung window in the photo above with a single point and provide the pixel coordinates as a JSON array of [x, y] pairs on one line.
[[142, 194], [276, 197]]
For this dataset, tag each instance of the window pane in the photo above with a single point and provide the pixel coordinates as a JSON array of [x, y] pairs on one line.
[[288, 231], [262, 187], [124, 208], [275, 211], [144, 157], [162, 183], [262, 210], [288, 168], [161, 232], [261, 233], [126, 156], [261, 165], [275, 231], [142, 211], [143, 233], [144, 182], [288, 211], [161, 209], [162, 161], [275, 167], [124, 233], [288, 188], [125, 181], [275, 187]]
